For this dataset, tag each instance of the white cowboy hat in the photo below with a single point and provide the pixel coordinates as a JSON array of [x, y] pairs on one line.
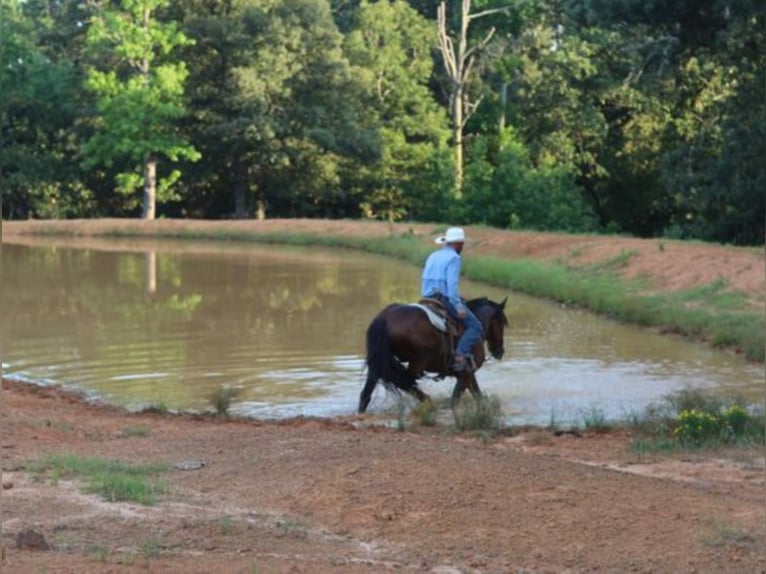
[[453, 235]]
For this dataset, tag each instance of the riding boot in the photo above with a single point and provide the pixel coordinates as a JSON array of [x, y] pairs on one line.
[[463, 364]]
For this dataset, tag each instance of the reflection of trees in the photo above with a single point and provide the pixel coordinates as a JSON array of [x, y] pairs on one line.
[[168, 312]]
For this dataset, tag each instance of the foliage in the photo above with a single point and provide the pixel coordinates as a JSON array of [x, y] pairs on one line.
[[694, 419], [139, 94], [504, 189], [647, 119]]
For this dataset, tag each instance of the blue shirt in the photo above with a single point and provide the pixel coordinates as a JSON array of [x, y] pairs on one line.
[[441, 274]]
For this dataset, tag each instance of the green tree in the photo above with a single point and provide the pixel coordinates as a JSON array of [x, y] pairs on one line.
[[140, 98], [504, 189], [38, 108], [390, 49], [275, 109]]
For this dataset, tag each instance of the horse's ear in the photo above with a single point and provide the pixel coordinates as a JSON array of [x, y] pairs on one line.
[[503, 302]]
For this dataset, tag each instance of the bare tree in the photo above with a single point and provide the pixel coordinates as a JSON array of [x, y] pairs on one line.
[[459, 63]]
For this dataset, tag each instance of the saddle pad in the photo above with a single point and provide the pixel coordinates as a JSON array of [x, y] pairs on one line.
[[436, 319]]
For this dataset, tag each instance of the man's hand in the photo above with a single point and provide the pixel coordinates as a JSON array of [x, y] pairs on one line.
[[461, 312]]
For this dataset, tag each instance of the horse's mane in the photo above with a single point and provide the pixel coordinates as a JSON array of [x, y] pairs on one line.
[[474, 304]]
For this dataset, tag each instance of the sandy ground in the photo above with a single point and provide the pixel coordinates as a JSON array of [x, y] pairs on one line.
[[348, 496], [341, 496]]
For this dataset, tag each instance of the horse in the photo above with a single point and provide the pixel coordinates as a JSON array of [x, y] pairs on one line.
[[402, 334]]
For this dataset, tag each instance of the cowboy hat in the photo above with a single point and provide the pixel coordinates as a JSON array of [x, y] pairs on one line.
[[453, 235]]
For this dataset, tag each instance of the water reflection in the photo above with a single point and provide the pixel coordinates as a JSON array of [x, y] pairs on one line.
[[146, 322]]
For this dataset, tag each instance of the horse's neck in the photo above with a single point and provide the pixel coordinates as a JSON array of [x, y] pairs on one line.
[[483, 319]]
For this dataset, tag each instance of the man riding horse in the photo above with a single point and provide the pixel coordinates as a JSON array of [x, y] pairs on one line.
[[441, 278]]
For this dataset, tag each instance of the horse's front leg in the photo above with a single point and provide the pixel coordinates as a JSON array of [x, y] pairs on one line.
[[473, 386], [465, 381]]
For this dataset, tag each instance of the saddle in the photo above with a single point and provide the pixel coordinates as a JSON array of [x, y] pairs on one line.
[[454, 328]]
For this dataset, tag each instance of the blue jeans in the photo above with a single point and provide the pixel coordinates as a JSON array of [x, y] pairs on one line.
[[472, 329]]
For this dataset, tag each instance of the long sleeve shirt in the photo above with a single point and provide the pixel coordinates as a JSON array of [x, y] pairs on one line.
[[441, 274]]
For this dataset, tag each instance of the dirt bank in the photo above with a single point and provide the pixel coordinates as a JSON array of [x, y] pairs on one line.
[[326, 496], [665, 266]]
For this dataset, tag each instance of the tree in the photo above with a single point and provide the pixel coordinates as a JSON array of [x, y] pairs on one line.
[[459, 62], [275, 109], [38, 111], [389, 48], [140, 97]]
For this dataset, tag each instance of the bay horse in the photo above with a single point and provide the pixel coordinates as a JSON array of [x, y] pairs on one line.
[[403, 345]]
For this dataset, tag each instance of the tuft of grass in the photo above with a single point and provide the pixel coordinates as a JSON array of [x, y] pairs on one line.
[[401, 411], [222, 398], [150, 548], [426, 413], [484, 414], [136, 431], [113, 480], [618, 261], [721, 534], [594, 419], [553, 424], [98, 553], [225, 524], [160, 407]]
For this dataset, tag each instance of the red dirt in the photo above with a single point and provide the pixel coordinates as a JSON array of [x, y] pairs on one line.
[[328, 496], [338, 496]]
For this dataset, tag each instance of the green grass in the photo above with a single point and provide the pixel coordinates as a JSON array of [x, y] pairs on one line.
[[594, 419], [136, 431], [484, 414], [708, 314], [98, 553], [222, 398], [721, 534], [160, 407], [426, 412], [150, 548], [112, 480]]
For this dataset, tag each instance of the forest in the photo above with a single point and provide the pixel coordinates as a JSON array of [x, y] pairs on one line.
[[635, 117]]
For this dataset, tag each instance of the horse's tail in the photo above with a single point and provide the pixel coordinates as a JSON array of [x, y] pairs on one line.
[[382, 365]]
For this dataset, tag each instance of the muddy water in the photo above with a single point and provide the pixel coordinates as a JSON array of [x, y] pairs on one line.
[[165, 323]]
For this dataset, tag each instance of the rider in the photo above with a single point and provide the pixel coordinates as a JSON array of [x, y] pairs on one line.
[[441, 276]]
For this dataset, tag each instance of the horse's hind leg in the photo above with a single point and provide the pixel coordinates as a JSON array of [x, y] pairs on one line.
[[417, 393], [414, 371]]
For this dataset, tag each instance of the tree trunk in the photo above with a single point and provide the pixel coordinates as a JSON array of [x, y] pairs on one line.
[[240, 202], [150, 187], [260, 210], [457, 134], [503, 104]]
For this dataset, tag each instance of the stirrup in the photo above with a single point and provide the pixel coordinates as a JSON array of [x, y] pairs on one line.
[[464, 365]]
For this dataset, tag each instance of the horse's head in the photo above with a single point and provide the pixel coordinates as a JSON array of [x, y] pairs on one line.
[[492, 317]]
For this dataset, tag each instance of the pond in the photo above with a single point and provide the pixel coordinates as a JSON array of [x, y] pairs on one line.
[[140, 323]]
